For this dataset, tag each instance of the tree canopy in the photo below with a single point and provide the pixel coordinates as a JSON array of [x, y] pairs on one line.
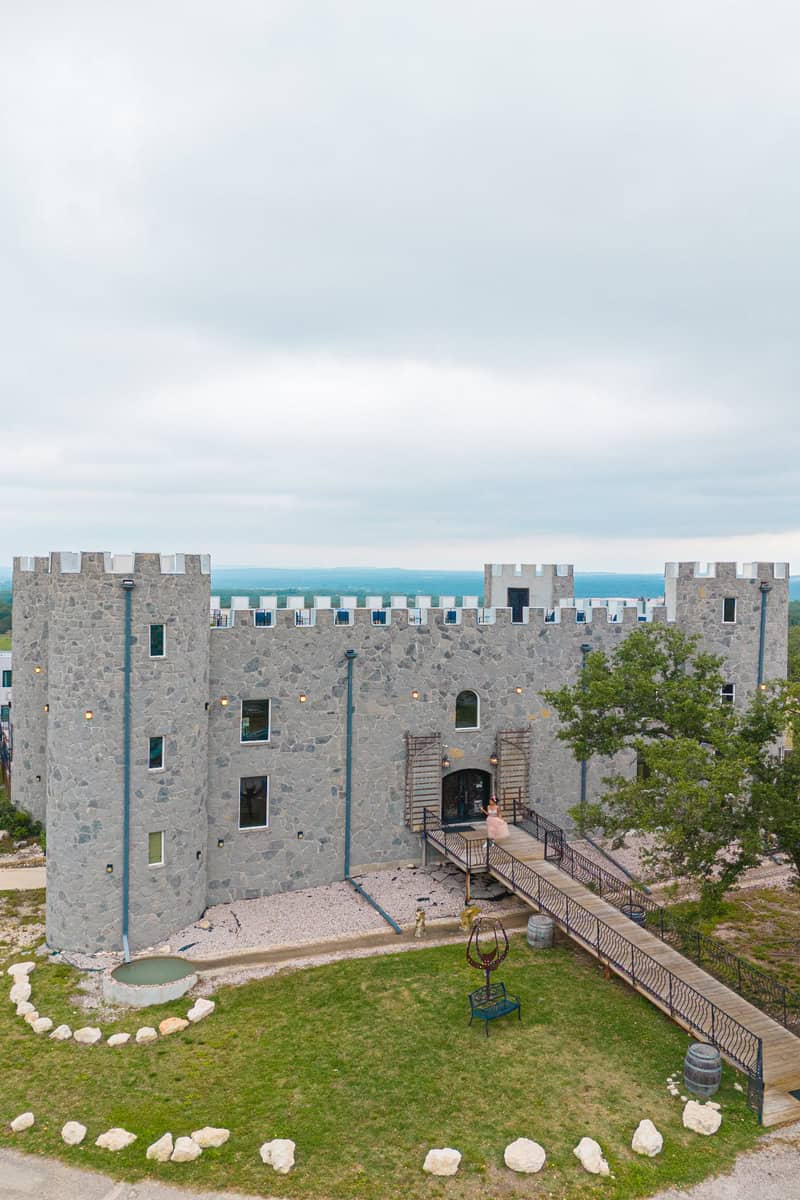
[[710, 782]]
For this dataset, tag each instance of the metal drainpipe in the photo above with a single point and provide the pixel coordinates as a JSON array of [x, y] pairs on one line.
[[128, 584], [585, 649], [350, 656], [765, 589]]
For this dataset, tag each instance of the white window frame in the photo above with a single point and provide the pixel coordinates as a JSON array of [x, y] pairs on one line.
[[251, 828], [728, 697], [260, 741], [160, 862], [467, 728], [725, 621], [269, 613], [163, 627], [151, 738]]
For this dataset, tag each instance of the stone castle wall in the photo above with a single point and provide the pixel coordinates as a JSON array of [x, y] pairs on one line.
[[406, 679]]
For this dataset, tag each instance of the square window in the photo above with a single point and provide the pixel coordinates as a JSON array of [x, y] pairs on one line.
[[255, 721], [254, 802], [157, 641], [729, 610], [379, 617], [728, 692], [5, 709], [155, 849], [6, 680], [263, 618], [156, 760], [341, 616], [450, 617]]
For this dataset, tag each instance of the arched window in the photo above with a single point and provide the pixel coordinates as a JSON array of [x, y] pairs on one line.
[[467, 710]]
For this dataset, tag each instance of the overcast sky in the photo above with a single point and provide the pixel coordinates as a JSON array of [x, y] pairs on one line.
[[419, 284]]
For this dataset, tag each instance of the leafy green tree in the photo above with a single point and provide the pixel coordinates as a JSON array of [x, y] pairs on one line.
[[794, 653], [705, 783]]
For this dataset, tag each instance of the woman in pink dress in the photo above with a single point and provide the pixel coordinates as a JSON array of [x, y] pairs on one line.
[[496, 827]]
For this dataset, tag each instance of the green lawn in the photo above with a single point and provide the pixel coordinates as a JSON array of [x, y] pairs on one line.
[[5, 641], [368, 1063]]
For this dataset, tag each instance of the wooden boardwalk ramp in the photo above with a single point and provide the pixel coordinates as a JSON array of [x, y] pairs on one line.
[[752, 1041]]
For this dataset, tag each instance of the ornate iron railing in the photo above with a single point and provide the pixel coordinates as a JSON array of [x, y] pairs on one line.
[[683, 1002], [751, 982]]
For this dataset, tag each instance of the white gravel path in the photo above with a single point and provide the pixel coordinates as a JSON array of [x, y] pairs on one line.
[[310, 915], [770, 1172]]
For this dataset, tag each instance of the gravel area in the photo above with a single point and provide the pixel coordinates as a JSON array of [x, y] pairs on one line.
[[333, 911], [770, 1172]]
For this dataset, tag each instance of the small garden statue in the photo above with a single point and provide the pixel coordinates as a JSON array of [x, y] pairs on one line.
[[419, 923]]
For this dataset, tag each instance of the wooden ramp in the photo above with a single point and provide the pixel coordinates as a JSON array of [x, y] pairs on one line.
[[746, 1037]]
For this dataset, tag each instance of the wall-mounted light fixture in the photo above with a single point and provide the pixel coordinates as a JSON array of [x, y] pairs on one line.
[[199, 855], [445, 763], [300, 835], [415, 694], [88, 715], [220, 843], [493, 759], [519, 690], [302, 697], [47, 708], [37, 670], [224, 701], [109, 868]]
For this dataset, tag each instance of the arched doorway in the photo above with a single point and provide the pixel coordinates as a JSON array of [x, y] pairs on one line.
[[464, 794]]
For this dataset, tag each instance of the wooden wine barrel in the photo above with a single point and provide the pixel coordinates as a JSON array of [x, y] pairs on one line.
[[540, 931], [635, 913], [702, 1069]]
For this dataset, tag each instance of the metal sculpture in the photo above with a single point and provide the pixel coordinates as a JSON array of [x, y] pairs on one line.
[[488, 957]]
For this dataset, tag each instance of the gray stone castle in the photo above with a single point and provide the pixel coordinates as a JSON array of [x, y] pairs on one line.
[[181, 760]]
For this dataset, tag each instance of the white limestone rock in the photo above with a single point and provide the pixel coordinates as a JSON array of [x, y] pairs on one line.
[[31, 1016], [20, 969], [186, 1150], [590, 1156], [442, 1162], [172, 1025], [201, 1008], [646, 1139], [88, 1036], [115, 1139], [161, 1151], [73, 1133], [21, 990], [278, 1154], [42, 1025], [146, 1035], [24, 1007], [525, 1156], [23, 1121], [210, 1138], [701, 1118], [118, 1039], [61, 1033]]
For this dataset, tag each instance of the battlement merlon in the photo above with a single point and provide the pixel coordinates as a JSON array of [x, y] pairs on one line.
[[767, 571], [546, 583], [68, 562]]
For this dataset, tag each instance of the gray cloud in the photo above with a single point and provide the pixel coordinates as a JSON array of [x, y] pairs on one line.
[[342, 279]]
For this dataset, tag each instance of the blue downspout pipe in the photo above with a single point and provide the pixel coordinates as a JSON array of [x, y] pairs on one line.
[[766, 588], [128, 585], [350, 657]]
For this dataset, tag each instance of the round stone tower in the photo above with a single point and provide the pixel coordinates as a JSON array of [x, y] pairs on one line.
[[127, 744]]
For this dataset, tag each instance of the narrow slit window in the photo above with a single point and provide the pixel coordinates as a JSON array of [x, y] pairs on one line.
[[467, 710], [6, 680], [155, 848], [157, 641], [255, 721], [156, 759], [254, 802], [729, 610]]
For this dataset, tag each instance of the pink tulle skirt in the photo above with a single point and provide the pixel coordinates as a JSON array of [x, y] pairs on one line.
[[496, 828]]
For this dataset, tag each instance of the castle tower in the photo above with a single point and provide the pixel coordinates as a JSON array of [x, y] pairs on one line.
[[739, 612], [89, 692], [526, 585]]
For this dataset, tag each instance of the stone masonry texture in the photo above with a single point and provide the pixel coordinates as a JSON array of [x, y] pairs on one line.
[[71, 624]]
